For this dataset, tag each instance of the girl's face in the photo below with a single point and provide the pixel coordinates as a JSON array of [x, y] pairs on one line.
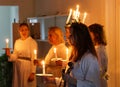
[[24, 32], [52, 37], [67, 32], [71, 38]]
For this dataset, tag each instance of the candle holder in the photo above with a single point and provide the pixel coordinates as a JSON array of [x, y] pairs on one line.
[[44, 74], [7, 51], [56, 59], [43, 69]]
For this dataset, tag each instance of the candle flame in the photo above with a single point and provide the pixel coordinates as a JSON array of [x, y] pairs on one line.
[[7, 40], [54, 50], [43, 62], [67, 51], [35, 54], [77, 8], [35, 51]]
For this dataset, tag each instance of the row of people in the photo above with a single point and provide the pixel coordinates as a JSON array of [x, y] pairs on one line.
[[87, 64]]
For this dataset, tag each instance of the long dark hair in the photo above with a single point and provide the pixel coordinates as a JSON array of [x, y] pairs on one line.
[[98, 32], [81, 41]]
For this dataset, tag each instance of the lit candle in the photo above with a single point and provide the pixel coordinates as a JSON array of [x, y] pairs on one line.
[[77, 16], [77, 10], [55, 52], [84, 17], [77, 13], [7, 41], [74, 14], [35, 54], [70, 13], [43, 64], [67, 54]]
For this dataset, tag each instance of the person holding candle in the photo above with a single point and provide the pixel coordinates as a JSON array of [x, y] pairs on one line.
[[22, 57], [58, 80], [55, 37], [98, 37], [58, 49]]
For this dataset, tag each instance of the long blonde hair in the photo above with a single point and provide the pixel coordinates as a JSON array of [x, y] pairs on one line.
[[58, 33]]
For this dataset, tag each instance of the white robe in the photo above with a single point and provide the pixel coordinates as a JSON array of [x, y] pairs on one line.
[[52, 68], [60, 51], [23, 68]]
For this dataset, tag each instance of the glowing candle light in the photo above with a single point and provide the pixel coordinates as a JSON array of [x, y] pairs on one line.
[[77, 16], [35, 54], [7, 42], [70, 13], [77, 13], [77, 7], [84, 17], [77, 10], [55, 52], [74, 14], [43, 65]]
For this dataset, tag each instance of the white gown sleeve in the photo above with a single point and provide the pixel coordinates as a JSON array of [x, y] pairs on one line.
[[13, 56]]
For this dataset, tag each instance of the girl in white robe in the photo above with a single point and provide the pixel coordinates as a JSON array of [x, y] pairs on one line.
[[23, 56], [55, 37]]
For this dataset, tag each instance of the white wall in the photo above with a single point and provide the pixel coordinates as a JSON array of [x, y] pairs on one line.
[[26, 7], [4, 26], [7, 15], [117, 38], [111, 38]]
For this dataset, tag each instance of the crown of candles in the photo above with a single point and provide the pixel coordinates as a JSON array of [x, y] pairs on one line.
[[74, 16]]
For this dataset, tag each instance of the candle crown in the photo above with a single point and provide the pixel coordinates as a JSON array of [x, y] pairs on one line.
[[74, 16]]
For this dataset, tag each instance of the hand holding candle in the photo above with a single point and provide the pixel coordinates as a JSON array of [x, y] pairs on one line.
[[43, 64]]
